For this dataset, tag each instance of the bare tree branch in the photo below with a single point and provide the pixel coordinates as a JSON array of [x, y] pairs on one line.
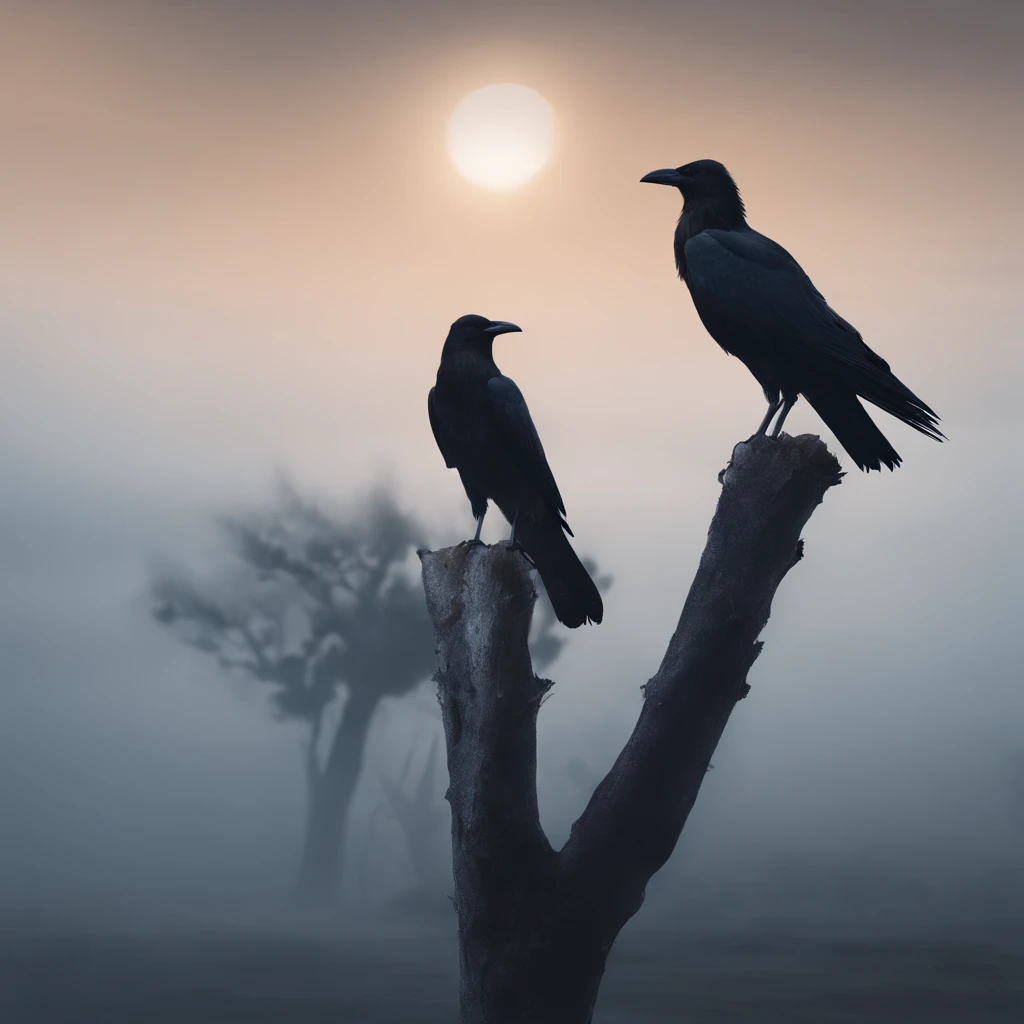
[[634, 818]]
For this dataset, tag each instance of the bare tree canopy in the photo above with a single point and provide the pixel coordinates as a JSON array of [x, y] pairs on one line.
[[315, 607], [318, 604]]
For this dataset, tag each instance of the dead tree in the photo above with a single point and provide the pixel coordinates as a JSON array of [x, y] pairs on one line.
[[316, 608], [536, 924], [419, 816]]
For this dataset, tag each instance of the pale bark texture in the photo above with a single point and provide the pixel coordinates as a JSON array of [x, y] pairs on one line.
[[536, 924]]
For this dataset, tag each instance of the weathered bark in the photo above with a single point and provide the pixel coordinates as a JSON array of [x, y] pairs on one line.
[[536, 925], [330, 791]]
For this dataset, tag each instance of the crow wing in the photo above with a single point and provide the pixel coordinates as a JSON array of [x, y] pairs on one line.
[[516, 426], [758, 304], [443, 434]]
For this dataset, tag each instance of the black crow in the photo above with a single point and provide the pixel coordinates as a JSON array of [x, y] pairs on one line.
[[758, 304], [484, 430]]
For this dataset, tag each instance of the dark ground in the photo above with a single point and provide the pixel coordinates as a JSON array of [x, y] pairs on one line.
[[222, 977]]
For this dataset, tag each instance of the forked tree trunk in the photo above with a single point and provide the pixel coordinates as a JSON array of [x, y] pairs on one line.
[[535, 924], [330, 792]]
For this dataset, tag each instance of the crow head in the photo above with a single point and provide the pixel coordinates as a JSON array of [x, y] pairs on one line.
[[472, 331], [703, 181]]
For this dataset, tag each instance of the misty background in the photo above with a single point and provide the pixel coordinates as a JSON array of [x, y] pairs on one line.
[[232, 245]]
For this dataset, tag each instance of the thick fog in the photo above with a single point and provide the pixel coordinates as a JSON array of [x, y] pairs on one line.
[[879, 738], [183, 324]]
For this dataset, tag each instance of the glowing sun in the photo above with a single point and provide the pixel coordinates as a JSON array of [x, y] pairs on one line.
[[500, 136]]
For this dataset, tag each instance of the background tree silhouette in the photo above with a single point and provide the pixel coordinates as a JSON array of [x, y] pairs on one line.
[[322, 610], [328, 612]]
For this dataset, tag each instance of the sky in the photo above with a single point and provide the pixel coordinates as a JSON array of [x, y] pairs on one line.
[[232, 243]]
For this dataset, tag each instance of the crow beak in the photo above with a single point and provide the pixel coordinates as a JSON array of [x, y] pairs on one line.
[[666, 176], [502, 327]]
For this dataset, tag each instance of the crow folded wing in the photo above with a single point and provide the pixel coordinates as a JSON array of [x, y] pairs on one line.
[[516, 426], [757, 302], [445, 437]]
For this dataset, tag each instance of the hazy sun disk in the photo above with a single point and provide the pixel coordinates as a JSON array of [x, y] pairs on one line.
[[500, 136]]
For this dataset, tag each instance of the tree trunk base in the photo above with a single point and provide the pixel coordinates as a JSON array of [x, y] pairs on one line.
[[532, 979]]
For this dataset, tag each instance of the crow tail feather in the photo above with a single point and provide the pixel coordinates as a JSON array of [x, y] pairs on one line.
[[573, 594]]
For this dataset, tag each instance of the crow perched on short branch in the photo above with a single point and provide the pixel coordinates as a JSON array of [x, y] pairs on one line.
[[483, 428], [758, 304]]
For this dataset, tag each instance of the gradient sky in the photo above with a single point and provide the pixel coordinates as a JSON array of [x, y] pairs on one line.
[[232, 244]]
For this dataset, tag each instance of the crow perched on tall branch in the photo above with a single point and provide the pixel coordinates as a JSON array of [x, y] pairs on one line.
[[484, 430], [758, 304]]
